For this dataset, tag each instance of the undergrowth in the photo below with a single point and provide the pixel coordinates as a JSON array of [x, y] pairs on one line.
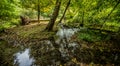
[[93, 36]]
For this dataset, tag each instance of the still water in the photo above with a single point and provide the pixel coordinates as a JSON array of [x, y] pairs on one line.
[[60, 51], [23, 58]]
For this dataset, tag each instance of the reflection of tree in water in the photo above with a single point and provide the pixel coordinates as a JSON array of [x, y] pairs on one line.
[[52, 51], [45, 53], [66, 51], [55, 52], [23, 58]]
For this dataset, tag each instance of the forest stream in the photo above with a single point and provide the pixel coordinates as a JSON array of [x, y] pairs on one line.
[[51, 52], [59, 32], [56, 51]]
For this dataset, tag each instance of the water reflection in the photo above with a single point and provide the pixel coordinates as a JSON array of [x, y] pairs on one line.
[[61, 50], [66, 33], [23, 58]]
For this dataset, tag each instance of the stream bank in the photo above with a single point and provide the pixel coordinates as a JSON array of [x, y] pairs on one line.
[[64, 48]]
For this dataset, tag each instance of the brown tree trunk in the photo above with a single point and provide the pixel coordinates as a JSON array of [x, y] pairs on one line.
[[54, 16], [82, 24], [24, 20], [64, 11], [38, 11]]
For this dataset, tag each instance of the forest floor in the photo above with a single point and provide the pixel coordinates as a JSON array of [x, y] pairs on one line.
[[97, 52], [27, 32]]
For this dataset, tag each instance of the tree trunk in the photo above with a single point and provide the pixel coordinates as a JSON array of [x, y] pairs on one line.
[[54, 16], [38, 11], [82, 24], [64, 11]]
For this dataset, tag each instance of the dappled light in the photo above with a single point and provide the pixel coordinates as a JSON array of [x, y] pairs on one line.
[[60, 33]]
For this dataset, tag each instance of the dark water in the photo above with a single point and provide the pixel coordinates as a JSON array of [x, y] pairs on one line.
[[23, 58], [58, 51]]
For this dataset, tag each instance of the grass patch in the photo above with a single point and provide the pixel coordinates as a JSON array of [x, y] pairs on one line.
[[92, 36]]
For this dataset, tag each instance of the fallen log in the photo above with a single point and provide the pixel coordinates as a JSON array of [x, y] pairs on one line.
[[104, 31], [43, 20]]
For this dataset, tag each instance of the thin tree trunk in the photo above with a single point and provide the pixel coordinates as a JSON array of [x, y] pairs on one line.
[[64, 11], [38, 11], [110, 13], [82, 24], [54, 16]]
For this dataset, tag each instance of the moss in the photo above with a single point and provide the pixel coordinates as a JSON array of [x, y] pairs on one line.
[[6, 53], [30, 36]]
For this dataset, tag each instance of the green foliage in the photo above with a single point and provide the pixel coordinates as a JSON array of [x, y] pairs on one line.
[[9, 13], [8, 9], [30, 9], [95, 13], [93, 36]]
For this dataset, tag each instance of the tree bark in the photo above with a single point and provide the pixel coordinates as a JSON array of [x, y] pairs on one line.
[[38, 11], [64, 11], [82, 24], [54, 16]]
